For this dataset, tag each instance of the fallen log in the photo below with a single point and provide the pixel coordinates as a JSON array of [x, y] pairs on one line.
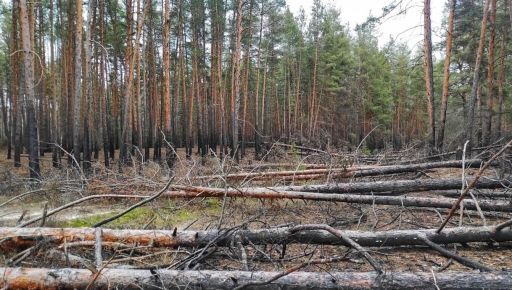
[[194, 192], [21, 238], [358, 171], [478, 194], [68, 278], [396, 186]]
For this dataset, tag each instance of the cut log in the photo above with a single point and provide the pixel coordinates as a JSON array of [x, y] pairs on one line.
[[20, 238], [347, 172], [68, 278], [396, 186], [194, 192]]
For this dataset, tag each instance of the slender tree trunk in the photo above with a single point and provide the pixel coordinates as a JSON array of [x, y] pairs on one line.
[[132, 59], [55, 129], [15, 98], [78, 81], [247, 69], [490, 75], [3, 106], [28, 64], [470, 118], [313, 92], [446, 75], [429, 72], [257, 147], [235, 103], [89, 31], [501, 83], [169, 153]]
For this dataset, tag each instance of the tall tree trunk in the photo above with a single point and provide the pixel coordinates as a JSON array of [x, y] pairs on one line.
[[446, 75], [78, 81], [501, 83], [247, 69], [235, 97], [28, 64], [470, 118], [15, 98], [169, 153], [131, 59], [88, 81], [429, 72], [257, 147], [3, 106], [490, 75]]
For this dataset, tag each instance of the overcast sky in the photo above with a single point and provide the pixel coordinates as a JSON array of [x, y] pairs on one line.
[[406, 27]]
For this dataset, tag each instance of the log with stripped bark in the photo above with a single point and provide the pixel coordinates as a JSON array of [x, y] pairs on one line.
[[68, 278], [18, 238]]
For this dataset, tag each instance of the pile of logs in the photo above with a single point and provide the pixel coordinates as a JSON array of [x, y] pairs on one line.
[[483, 193]]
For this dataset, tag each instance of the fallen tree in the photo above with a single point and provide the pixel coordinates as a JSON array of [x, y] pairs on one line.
[[18, 238], [68, 278], [193, 192], [347, 171], [397, 186]]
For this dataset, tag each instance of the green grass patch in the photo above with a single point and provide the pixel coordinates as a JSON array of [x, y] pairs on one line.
[[166, 217]]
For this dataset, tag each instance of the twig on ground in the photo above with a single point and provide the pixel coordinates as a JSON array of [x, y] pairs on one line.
[[464, 261], [503, 225], [21, 195], [289, 271], [345, 238]]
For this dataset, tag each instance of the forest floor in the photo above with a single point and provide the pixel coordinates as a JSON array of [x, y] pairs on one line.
[[61, 186]]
